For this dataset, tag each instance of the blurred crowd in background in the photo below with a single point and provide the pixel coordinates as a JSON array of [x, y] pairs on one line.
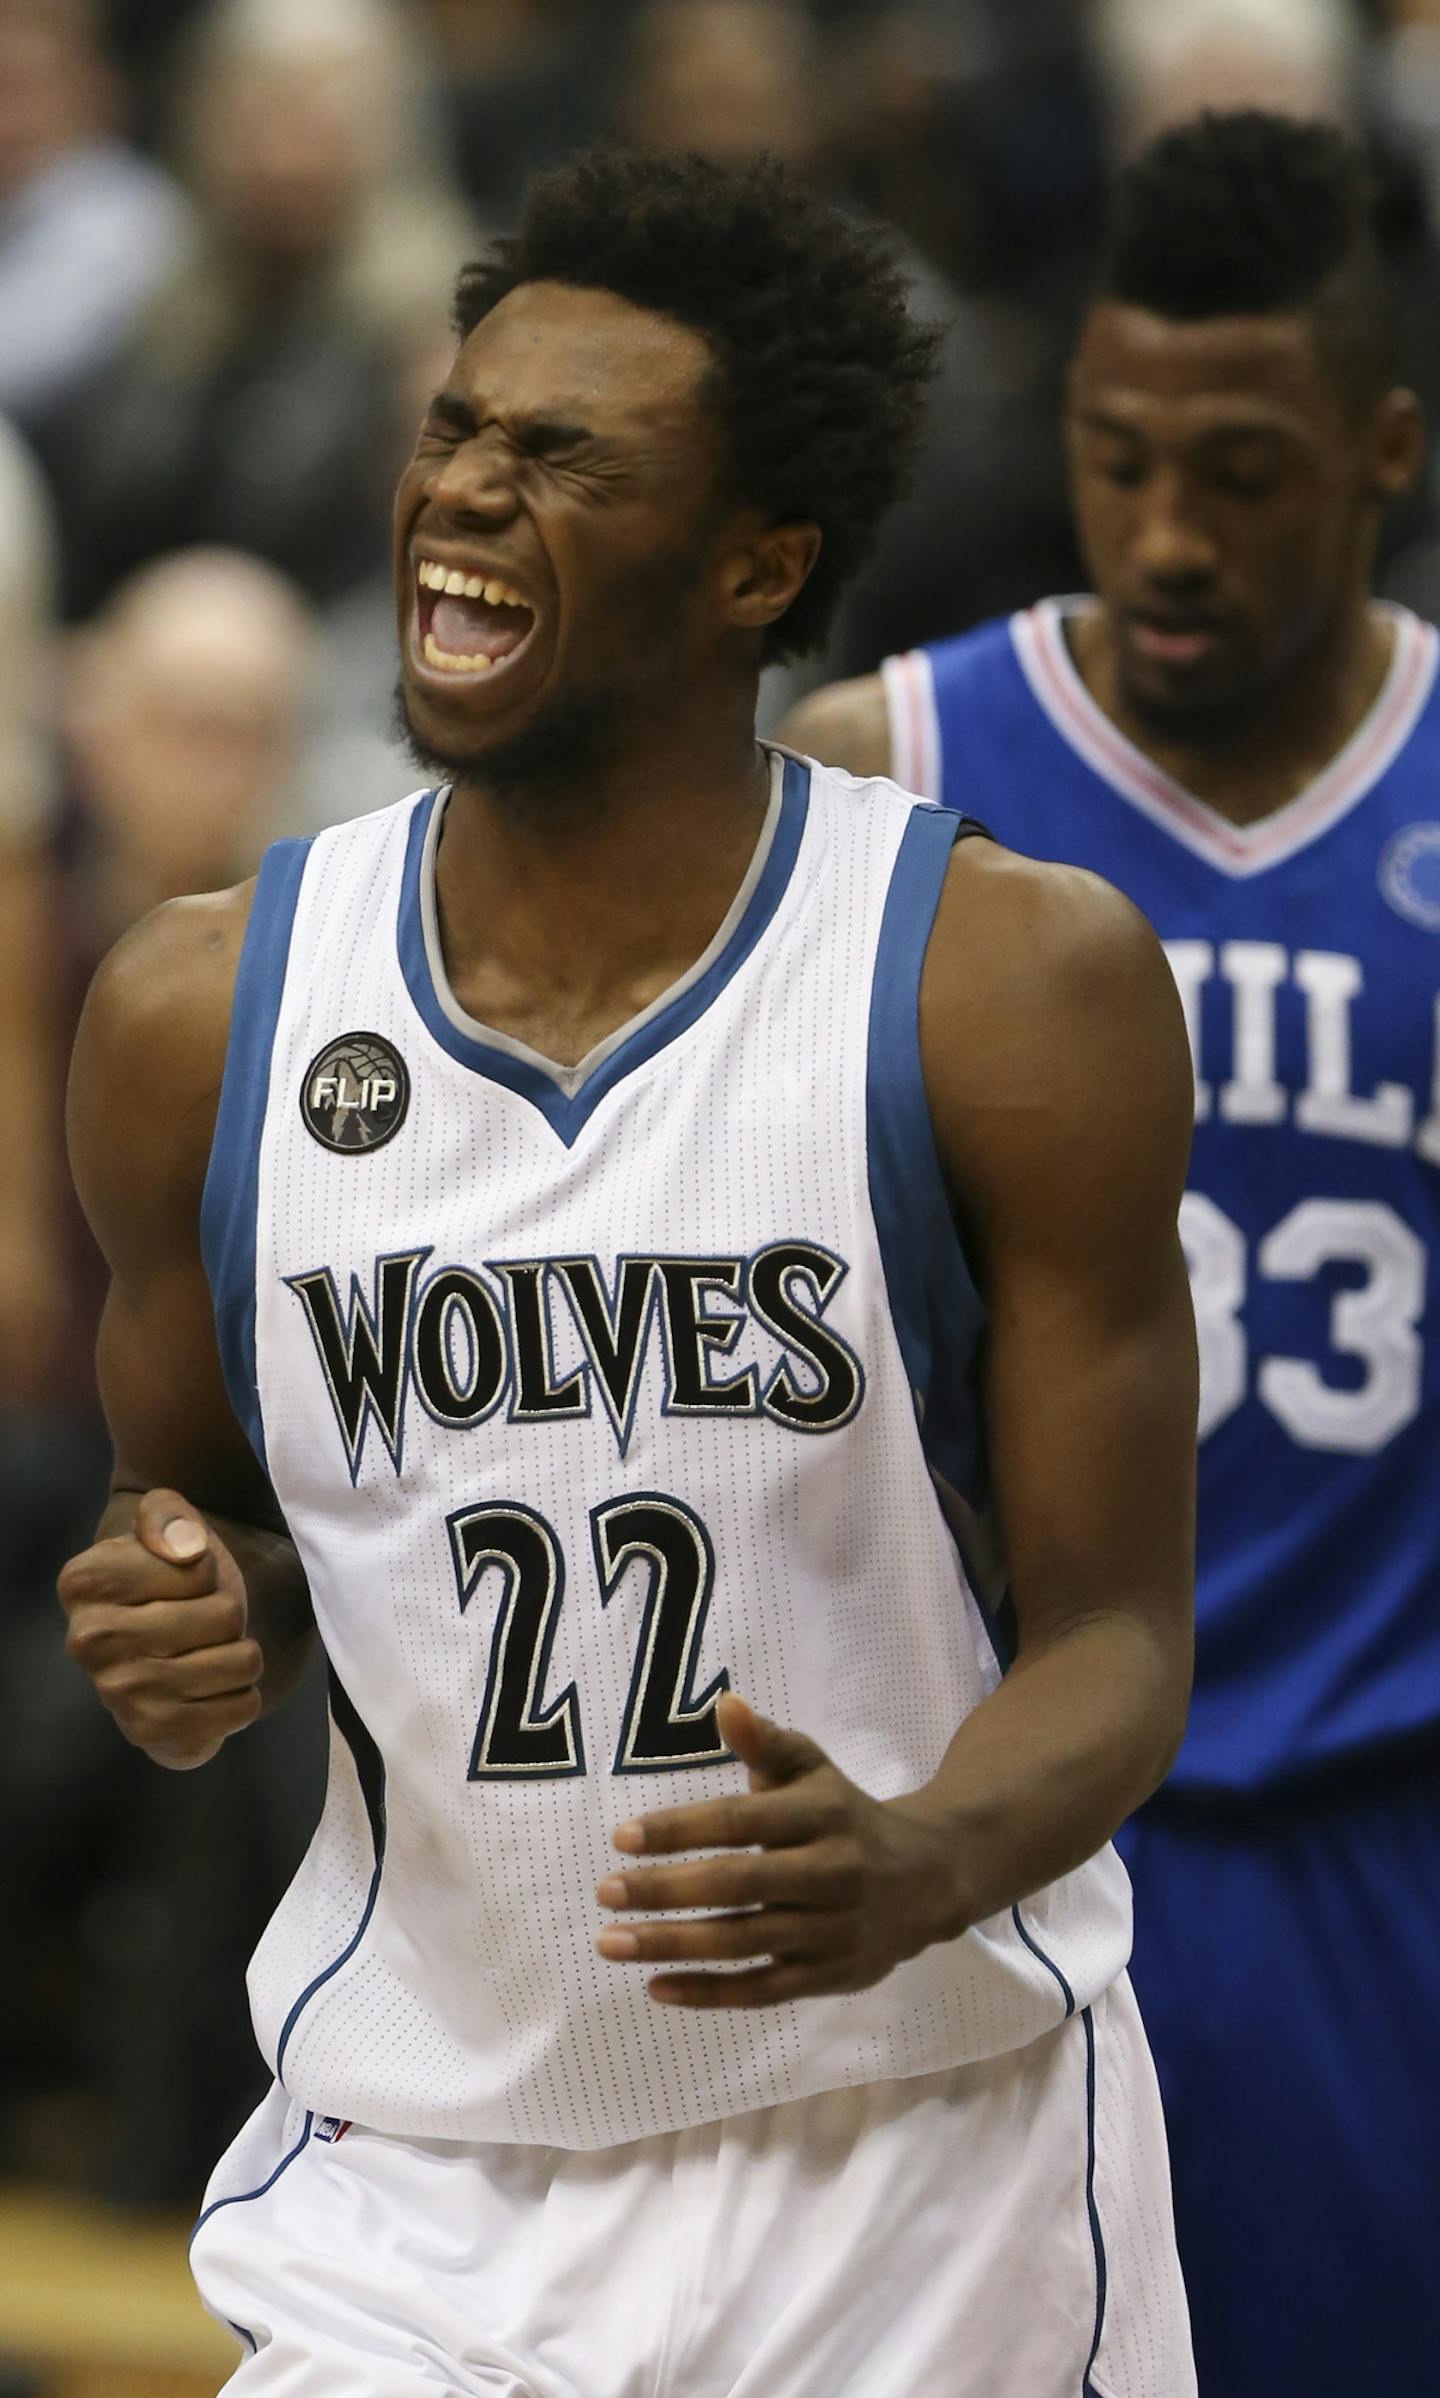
[[228, 231]]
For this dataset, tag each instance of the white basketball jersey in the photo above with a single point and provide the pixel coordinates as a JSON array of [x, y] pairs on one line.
[[587, 1394]]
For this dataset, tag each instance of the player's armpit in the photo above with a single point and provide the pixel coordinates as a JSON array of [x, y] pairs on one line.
[[845, 724], [1060, 1088]]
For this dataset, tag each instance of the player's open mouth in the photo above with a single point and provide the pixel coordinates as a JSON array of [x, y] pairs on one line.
[[468, 623], [1174, 642]]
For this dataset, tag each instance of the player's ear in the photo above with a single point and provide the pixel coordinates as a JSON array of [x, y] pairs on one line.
[[1397, 444], [763, 574]]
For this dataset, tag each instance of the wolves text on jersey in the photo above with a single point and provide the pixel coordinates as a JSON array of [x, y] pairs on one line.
[[468, 1340]]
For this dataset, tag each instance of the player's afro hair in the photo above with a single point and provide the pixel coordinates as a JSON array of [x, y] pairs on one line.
[[820, 370], [1252, 214]]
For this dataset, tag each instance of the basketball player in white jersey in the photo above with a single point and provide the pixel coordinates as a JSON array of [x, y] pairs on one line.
[[614, 1242]]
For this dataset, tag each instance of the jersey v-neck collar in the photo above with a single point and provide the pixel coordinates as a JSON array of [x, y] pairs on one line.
[[1238, 850], [567, 1096]]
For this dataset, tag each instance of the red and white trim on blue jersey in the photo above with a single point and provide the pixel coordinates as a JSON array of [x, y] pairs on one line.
[[1235, 849], [915, 762]]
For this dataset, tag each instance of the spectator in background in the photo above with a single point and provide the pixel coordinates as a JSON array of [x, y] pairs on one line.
[[974, 125], [185, 711], [730, 78], [1405, 71], [31, 1280], [1162, 64], [523, 83], [249, 408], [88, 230]]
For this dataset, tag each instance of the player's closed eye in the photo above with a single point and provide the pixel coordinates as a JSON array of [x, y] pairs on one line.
[[1122, 468]]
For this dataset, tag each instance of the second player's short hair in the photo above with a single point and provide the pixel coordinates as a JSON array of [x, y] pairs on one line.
[[820, 369], [1246, 213]]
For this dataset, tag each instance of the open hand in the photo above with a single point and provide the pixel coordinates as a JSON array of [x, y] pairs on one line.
[[844, 1886], [157, 1620]]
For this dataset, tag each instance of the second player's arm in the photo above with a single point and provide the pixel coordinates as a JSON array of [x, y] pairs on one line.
[[190, 1611]]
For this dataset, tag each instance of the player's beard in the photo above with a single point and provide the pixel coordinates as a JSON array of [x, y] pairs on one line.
[[557, 762], [547, 763]]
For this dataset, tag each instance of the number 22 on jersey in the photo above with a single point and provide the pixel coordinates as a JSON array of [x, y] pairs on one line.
[[666, 1723]]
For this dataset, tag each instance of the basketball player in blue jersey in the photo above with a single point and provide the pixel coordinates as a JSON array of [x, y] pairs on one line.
[[609, 1241], [1249, 745]]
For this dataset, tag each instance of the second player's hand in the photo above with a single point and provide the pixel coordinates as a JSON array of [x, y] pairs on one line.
[[844, 1886], [157, 1618]]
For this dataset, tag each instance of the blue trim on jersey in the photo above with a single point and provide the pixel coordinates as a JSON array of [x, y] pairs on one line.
[[1047, 1961], [370, 1773], [1087, 2387], [567, 1116], [231, 1196], [936, 1310], [244, 2197]]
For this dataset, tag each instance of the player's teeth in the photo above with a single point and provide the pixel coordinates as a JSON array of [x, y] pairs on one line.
[[455, 584], [475, 587], [496, 594], [432, 576], [453, 661]]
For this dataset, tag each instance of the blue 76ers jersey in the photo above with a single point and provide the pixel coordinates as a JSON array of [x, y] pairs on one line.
[[1307, 952]]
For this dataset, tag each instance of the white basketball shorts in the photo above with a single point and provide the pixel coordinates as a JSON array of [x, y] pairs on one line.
[[1002, 2230]]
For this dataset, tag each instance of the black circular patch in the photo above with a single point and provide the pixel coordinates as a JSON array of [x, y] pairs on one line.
[[356, 1093]]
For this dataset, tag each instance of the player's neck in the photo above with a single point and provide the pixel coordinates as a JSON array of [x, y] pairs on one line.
[[1269, 755], [559, 922]]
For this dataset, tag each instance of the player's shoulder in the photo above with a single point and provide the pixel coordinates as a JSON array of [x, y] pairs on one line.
[[846, 724], [1037, 972], [853, 723], [149, 1055], [168, 982], [1043, 922], [982, 658]]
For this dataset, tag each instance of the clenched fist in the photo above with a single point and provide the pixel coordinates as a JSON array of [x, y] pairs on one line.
[[158, 1620]]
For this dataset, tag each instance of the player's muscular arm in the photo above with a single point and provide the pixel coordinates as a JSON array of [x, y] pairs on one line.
[[1061, 1095], [846, 724], [190, 1612], [1060, 1091]]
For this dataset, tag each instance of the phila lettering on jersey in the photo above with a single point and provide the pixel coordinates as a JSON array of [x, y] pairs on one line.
[[588, 1394], [1306, 948]]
